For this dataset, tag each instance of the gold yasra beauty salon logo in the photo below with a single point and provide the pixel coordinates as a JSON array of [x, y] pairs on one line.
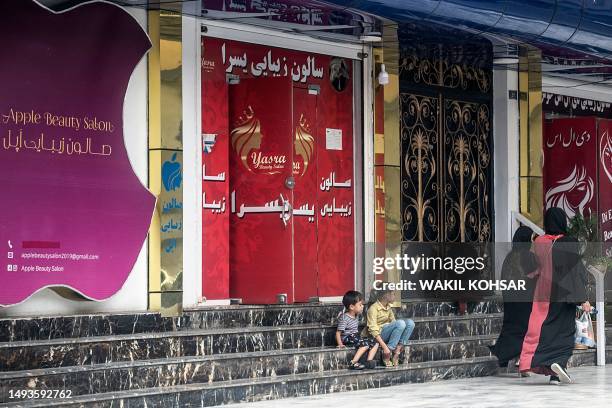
[[304, 145], [246, 139]]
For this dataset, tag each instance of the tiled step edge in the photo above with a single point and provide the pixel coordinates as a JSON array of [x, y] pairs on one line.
[[220, 331], [249, 390], [210, 317], [87, 351], [6, 375]]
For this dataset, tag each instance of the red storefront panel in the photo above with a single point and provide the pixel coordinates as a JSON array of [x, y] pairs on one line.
[[305, 139], [605, 183], [570, 165], [335, 192], [319, 149], [215, 181]]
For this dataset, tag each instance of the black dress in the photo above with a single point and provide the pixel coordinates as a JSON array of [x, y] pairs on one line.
[[561, 285], [517, 308]]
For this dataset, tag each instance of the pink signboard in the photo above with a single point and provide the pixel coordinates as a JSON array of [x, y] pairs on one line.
[[605, 183], [570, 170], [73, 213]]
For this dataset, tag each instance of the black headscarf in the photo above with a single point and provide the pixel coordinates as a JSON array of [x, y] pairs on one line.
[[522, 234], [555, 221], [521, 244]]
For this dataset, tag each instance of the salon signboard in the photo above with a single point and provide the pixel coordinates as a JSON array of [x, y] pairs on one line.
[[73, 214]]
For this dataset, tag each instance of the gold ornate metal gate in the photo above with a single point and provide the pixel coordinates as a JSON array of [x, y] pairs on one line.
[[446, 140]]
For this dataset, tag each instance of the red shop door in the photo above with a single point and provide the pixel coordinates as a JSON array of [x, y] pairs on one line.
[[305, 192], [273, 187], [261, 157]]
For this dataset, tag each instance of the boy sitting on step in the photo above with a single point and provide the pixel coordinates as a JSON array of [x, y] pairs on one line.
[[348, 331]]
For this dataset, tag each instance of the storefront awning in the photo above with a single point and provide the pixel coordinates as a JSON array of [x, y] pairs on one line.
[[578, 25]]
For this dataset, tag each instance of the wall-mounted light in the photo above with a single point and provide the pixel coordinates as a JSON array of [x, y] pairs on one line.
[[506, 61], [383, 77], [371, 37]]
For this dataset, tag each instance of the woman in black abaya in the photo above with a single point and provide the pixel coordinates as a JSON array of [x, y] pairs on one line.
[[518, 265], [549, 341]]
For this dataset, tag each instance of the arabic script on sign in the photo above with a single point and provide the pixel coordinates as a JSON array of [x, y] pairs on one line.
[[271, 66]]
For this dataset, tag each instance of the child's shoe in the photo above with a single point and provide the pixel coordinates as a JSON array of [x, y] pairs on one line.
[[356, 366]]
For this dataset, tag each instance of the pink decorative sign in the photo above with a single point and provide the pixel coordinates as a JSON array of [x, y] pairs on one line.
[[73, 213], [570, 171], [605, 184]]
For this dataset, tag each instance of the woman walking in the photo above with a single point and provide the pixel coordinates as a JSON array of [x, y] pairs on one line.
[[518, 265], [549, 341]]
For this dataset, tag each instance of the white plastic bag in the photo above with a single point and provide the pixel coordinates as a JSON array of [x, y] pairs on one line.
[[584, 331]]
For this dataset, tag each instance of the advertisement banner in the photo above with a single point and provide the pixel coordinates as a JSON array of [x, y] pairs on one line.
[[570, 165], [171, 220], [605, 183], [306, 12], [73, 214]]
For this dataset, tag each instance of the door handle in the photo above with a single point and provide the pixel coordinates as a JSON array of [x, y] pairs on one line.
[[286, 212]]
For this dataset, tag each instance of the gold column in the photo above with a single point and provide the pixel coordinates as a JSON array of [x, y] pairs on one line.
[[387, 148], [530, 114], [166, 162], [392, 141]]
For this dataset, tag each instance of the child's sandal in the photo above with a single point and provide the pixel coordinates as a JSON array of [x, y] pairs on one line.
[[388, 363], [356, 366]]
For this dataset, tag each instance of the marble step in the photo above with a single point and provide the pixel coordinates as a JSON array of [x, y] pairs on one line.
[[122, 376], [588, 357], [46, 328], [284, 386], [241, 316], [55, 327], [24, 355]]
